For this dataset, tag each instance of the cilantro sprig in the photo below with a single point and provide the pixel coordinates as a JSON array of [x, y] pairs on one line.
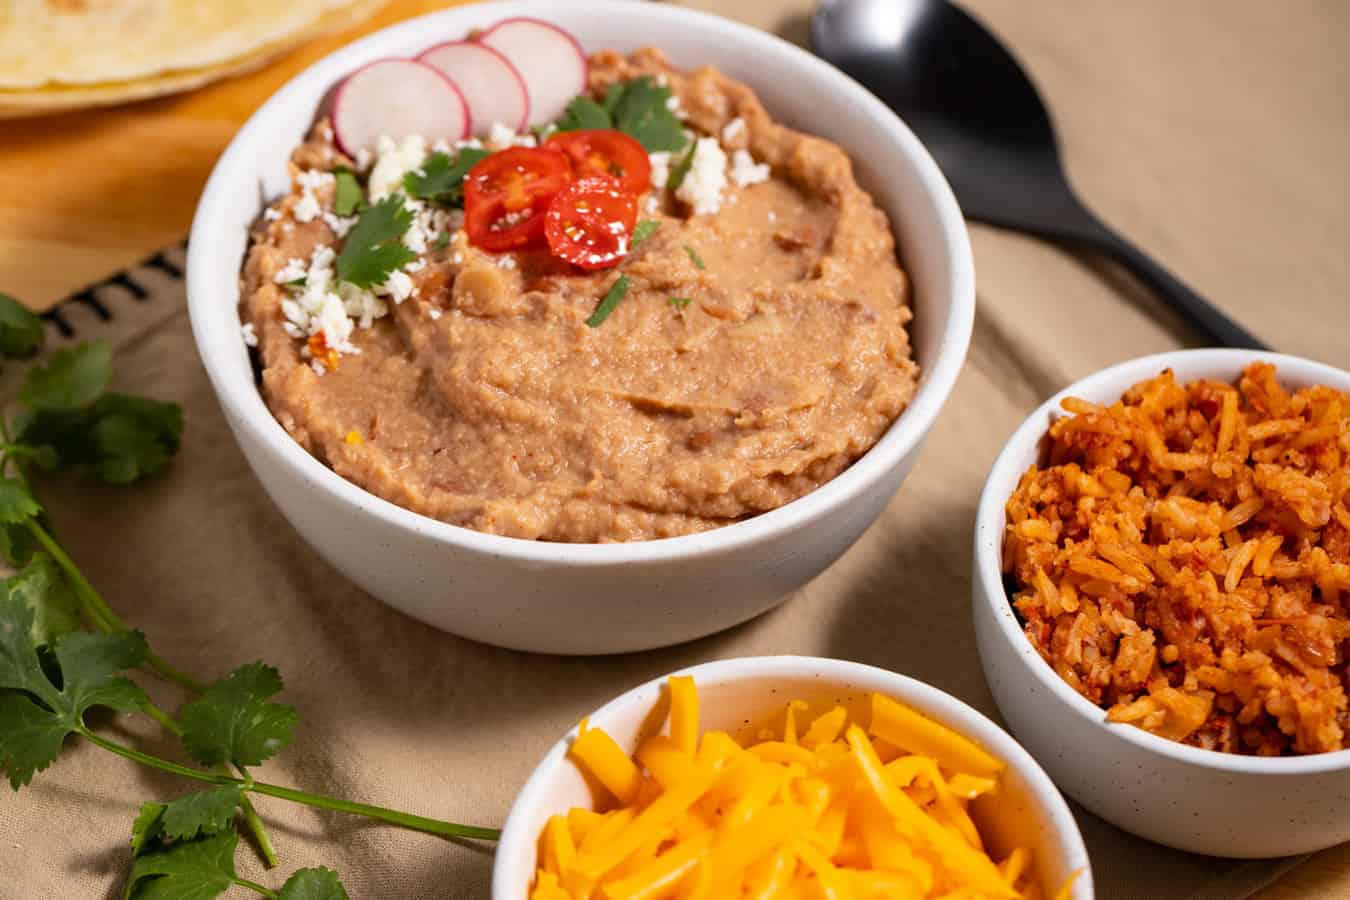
[[64, 651], [441, 178], [637, 108], [20, 330], [374, 247]]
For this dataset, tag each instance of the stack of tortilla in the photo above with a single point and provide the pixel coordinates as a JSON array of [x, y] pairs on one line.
[[58, 55]]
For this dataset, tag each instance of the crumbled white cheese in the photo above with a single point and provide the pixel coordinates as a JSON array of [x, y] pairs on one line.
[[395, 160], [326, 132], [707, 176], [472, 143], [732, 130], [507, 261], [745, 171], [250, 334], [660, 168], [440, 145], [653, 203], [363, 159], [361, 304], [317, 366], [271, 214], [773, 216], [416, 265], [339, 224], [294, 270], [316, 308], [434, 313], [307, 208], [673, 104], [398, 285], [500, 136], [457, 259]]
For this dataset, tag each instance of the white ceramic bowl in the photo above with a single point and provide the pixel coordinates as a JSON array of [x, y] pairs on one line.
[[741, 695], [1192, 799], [590, 598]]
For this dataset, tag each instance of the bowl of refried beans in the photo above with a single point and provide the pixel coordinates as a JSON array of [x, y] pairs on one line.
[[586, 333]]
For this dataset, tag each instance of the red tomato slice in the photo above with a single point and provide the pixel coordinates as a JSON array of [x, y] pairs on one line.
[[507, 194], [604, 151], [590, 222]]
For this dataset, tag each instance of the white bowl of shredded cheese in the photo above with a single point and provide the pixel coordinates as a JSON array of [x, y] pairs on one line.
[[746, 698]]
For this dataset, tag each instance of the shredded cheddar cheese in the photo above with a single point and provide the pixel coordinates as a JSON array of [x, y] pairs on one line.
[[823, 809]]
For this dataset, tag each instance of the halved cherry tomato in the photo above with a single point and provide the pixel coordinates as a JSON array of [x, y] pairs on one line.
[[604, 151], [590, 222], [507, 193]]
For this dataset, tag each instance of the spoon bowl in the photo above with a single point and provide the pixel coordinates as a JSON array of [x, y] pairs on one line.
[[980, 115]]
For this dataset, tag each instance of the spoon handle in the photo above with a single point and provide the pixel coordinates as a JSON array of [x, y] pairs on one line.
[[1202, 315], [1198, 311]]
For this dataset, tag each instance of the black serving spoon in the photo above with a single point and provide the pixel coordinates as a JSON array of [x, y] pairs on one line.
[[976, 110]]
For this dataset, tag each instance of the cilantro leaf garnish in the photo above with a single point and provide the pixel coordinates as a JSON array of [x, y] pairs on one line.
[[637, 108], [21, 330], [16, 502], [611, 299], [36, 715], [232, 722], [441, 180], [205, 812], [313, 884], [442, 240], [373, 248], [694, 257], [297, 282], [348, 196], [678, 302], [42, 588], [118, 439], [640, 110], [190, 870], [583, 114], [643, 230], [149, 825], [72, 377]]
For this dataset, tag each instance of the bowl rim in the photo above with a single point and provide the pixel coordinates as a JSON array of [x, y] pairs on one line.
[[248, 412], [989, 527], [1068, 837]]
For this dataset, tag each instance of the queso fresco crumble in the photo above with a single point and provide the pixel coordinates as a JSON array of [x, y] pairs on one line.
[[323, 309]]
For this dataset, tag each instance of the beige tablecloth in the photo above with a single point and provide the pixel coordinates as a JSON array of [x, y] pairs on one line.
[[1215, 134]]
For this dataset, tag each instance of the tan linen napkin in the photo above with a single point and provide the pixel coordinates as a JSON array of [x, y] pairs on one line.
[[1248, 207]]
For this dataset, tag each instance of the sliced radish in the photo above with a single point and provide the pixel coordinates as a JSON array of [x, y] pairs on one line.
[[491, 85], [397, 97], [549, 60]]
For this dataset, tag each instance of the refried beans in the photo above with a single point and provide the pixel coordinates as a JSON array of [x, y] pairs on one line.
[[760, 350]]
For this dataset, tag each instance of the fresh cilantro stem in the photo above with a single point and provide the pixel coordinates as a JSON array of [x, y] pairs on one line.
[[392, 816], [254, 886], [319, 801], [257, 828], [105, 619]]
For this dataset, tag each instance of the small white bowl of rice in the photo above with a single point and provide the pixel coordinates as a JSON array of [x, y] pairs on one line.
[[1215, 628]]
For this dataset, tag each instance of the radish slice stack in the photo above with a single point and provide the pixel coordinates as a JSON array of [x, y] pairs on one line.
[[549, 59], [491, 85], [520, 72], [397, 97]]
